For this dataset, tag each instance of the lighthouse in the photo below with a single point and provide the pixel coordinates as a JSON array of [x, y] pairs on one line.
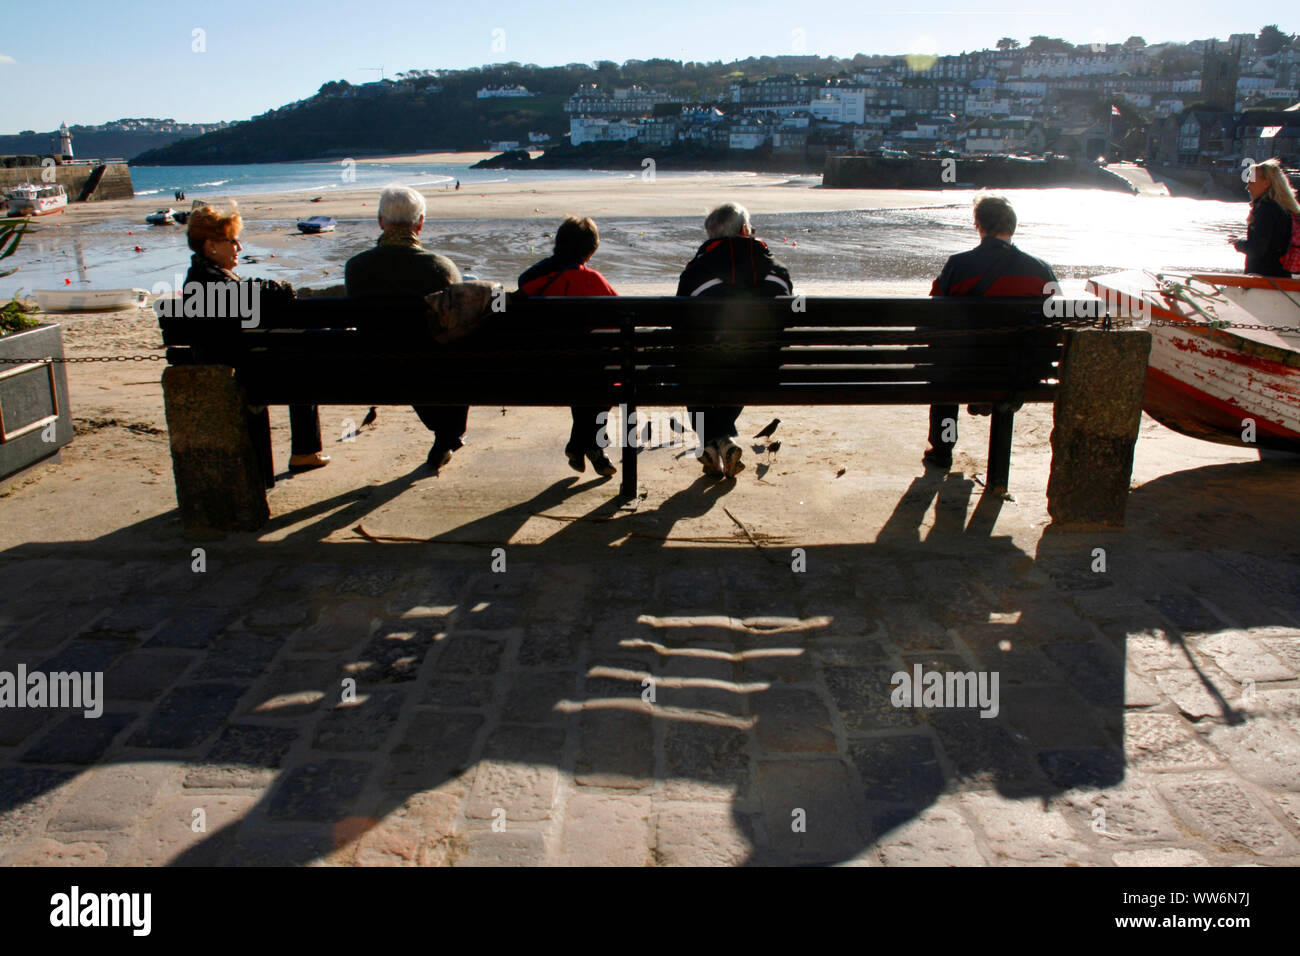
[[65, 141]]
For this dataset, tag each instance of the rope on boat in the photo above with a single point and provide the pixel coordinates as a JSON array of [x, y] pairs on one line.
[[1283, 291], [1184, 290], [1187, 293]]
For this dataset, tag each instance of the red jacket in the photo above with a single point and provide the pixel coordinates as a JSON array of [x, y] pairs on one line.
[[550, 277]]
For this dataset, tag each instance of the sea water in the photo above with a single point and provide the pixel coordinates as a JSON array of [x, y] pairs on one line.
[[886, 251]]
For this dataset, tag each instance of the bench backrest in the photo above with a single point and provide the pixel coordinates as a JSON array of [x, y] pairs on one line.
[[639, 350]]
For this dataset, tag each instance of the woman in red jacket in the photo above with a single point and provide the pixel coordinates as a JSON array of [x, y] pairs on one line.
[[567, 273]]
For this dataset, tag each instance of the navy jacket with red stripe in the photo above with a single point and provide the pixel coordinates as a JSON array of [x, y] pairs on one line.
[[1018, 273], [732, 264]]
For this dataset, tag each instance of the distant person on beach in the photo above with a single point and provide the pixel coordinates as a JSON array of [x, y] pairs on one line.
[[458, 185], [996, 268], [566, 272], [1269, 224], [732, 262], [400, 265], [214, 238]]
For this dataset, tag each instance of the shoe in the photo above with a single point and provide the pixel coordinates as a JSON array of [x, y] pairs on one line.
[[438, 459], [602, 465], [979, 410], [711, 459], [934, 459], [577, 461], [730, 453], [299, 463]]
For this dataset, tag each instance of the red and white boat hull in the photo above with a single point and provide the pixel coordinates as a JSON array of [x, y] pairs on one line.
[[30, 199], [1228, 385]]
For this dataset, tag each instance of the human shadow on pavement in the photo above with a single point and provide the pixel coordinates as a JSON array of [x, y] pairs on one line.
[[742, 693]]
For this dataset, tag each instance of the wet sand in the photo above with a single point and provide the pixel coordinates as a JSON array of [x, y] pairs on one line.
[[675, 196]]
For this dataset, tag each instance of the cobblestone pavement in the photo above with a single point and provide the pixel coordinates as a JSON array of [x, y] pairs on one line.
[[654, 703]]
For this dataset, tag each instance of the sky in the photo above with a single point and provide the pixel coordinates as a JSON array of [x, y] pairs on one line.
[[201, 62]]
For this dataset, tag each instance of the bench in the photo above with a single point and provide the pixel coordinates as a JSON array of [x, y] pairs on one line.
[[644, 351]]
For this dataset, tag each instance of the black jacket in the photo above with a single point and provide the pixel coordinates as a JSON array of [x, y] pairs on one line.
[[1014, 272], [239, 302], [1268, 236], [737, 268], [734, 264], [204, 270]]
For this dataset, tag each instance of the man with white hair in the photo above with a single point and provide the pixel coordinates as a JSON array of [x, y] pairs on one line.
[[733, 263], [399, 265]]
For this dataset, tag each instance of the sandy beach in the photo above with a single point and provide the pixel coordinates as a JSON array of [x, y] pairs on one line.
[[678, 196]]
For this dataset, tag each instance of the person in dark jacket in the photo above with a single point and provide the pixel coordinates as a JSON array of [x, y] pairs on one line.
[[213, 236], [400, 265], [1269, 224], [731, 263], [566, 273], [996, 268]]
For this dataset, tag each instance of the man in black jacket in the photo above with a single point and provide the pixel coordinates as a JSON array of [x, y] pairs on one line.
[[399, 265], [996, 267], [732, 263]]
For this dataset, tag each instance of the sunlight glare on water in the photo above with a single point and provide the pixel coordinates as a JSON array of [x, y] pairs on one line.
[[882, 251]]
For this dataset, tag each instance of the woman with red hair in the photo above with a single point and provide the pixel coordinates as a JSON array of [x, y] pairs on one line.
[[213, 237]]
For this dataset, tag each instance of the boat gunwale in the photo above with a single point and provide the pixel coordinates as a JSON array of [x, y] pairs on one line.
[[1288, 356]]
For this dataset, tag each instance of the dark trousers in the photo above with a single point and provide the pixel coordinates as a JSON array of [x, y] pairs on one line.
[[304, 430], [447, 422], [582, 436], [937, 415], [719, 421]]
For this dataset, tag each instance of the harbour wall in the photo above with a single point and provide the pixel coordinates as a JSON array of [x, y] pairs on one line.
[[925, 172], [83, 183]]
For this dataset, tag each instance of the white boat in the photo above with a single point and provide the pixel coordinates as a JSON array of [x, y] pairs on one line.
[[31, 199], [90, 300], [161, 217], [1209, 377]]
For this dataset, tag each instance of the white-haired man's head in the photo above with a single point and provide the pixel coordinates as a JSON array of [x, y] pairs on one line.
[[729, 219], [401, 207]]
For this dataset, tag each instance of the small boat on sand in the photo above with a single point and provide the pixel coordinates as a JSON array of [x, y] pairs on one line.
[[317, 224], [30, 199], [89, 300], [161, 217], [1225, 353]]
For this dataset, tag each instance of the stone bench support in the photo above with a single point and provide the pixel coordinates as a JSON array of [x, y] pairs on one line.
[[1098, 412]]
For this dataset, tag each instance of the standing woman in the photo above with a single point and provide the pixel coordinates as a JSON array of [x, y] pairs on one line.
[[1268, 227], [214, 238]]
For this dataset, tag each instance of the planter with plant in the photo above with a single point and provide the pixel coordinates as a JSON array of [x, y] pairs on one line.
[[35, 422]]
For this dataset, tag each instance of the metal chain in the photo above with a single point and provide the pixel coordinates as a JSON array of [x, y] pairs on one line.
[[59, 360], [1225, 324]]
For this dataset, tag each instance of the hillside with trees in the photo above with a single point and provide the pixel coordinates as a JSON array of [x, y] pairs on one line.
[[426, 110]]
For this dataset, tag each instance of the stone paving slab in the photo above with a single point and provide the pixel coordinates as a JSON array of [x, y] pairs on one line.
[[692, 704]]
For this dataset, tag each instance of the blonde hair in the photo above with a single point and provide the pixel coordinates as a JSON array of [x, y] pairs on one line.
[[1279, 186], [207, 222]]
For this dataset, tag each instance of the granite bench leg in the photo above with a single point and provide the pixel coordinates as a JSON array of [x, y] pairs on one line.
[[1098, 413], [219, 478]]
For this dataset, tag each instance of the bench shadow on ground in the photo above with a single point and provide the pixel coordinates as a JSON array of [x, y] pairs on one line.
[[771, 687]]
